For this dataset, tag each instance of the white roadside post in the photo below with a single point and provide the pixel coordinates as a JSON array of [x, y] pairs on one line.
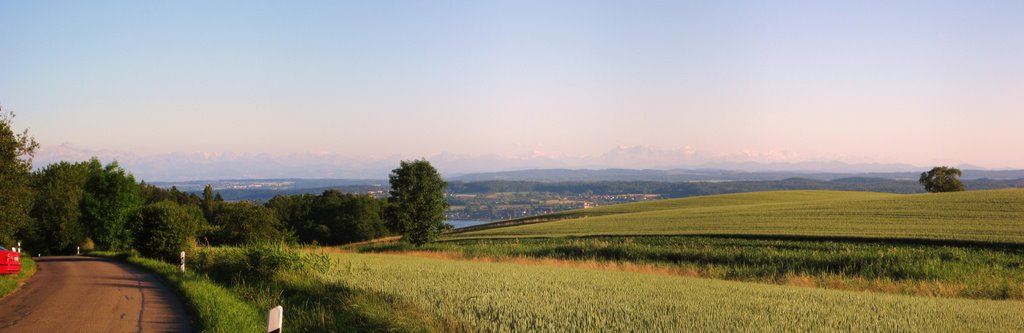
[[19, 247], [274, 319], [78, 250], [182, 262]]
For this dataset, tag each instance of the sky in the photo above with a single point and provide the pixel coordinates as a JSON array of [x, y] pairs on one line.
[[495, 85]]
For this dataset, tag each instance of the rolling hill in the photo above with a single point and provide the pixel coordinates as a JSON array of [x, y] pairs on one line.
[[995, 216]]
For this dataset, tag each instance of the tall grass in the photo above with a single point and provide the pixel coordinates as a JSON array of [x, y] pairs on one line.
[[497, 297], [950, 271], [8, 283], [268, 276]]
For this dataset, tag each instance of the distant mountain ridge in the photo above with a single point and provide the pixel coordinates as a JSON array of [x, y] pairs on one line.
[[705, 175], [270, 184], [708, 166]]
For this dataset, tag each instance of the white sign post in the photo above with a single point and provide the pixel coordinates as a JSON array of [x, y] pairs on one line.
[[182, 262], [274, 320], [19, 247], [78, 250]]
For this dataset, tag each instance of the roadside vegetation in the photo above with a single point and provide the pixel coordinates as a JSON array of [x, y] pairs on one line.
[[215, 307], [267, 276], [10, 283]]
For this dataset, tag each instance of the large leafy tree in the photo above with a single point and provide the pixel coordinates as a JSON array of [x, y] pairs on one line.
[[16, 198], [942, 179], [417, 204], [111, 194], [57, 212]]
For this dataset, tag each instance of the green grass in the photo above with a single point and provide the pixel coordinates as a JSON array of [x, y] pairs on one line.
[[949, 271], [216, 308], [496, 297], [9, 283], [995, 216], [271, 276]]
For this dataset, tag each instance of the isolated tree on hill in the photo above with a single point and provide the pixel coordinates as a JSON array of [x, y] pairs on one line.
[[15, 176], [417, 203], [942, 179]]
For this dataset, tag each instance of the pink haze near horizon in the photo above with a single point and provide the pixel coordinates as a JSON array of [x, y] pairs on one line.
[[497, 85]]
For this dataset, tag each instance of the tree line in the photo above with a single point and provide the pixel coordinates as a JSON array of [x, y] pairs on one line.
[[89, 205], [67, 205]]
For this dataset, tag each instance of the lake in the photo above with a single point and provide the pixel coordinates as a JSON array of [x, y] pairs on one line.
[[460, 224]]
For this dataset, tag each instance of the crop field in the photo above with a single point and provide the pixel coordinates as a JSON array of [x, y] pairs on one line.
[[995, 216], [497, 297], [767, 262], [927, 270]]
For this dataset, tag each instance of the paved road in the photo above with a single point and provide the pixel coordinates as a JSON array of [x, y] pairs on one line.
[[85, 294]]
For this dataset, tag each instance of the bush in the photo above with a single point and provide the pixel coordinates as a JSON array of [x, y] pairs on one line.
[[244, 223], [163, 230], [257, 263]]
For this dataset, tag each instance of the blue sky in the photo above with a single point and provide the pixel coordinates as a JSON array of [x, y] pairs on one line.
[[915, 82]]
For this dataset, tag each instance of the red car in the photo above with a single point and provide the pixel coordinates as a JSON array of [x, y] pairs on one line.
[[10, 261]]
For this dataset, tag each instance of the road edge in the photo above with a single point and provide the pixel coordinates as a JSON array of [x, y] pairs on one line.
[[214, 307]]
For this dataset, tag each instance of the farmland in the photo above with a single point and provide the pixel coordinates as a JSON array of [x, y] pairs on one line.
[[926, 270], [995, 216], [773, 261], [634, 264], [506, 297]]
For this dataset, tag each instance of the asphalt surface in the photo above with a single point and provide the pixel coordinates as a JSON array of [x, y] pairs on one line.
[[85, 294]]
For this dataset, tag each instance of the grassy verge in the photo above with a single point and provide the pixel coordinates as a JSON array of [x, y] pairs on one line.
[[928, 270], [270, 276], [216, 308], [10, 283], [498, 297]]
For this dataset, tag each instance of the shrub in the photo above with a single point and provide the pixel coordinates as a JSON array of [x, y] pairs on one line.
[[163, 230], [258, 263]]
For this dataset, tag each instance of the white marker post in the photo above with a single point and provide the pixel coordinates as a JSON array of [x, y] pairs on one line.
[[19, 247], [274, 320], [78, 250], [182, 262]]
